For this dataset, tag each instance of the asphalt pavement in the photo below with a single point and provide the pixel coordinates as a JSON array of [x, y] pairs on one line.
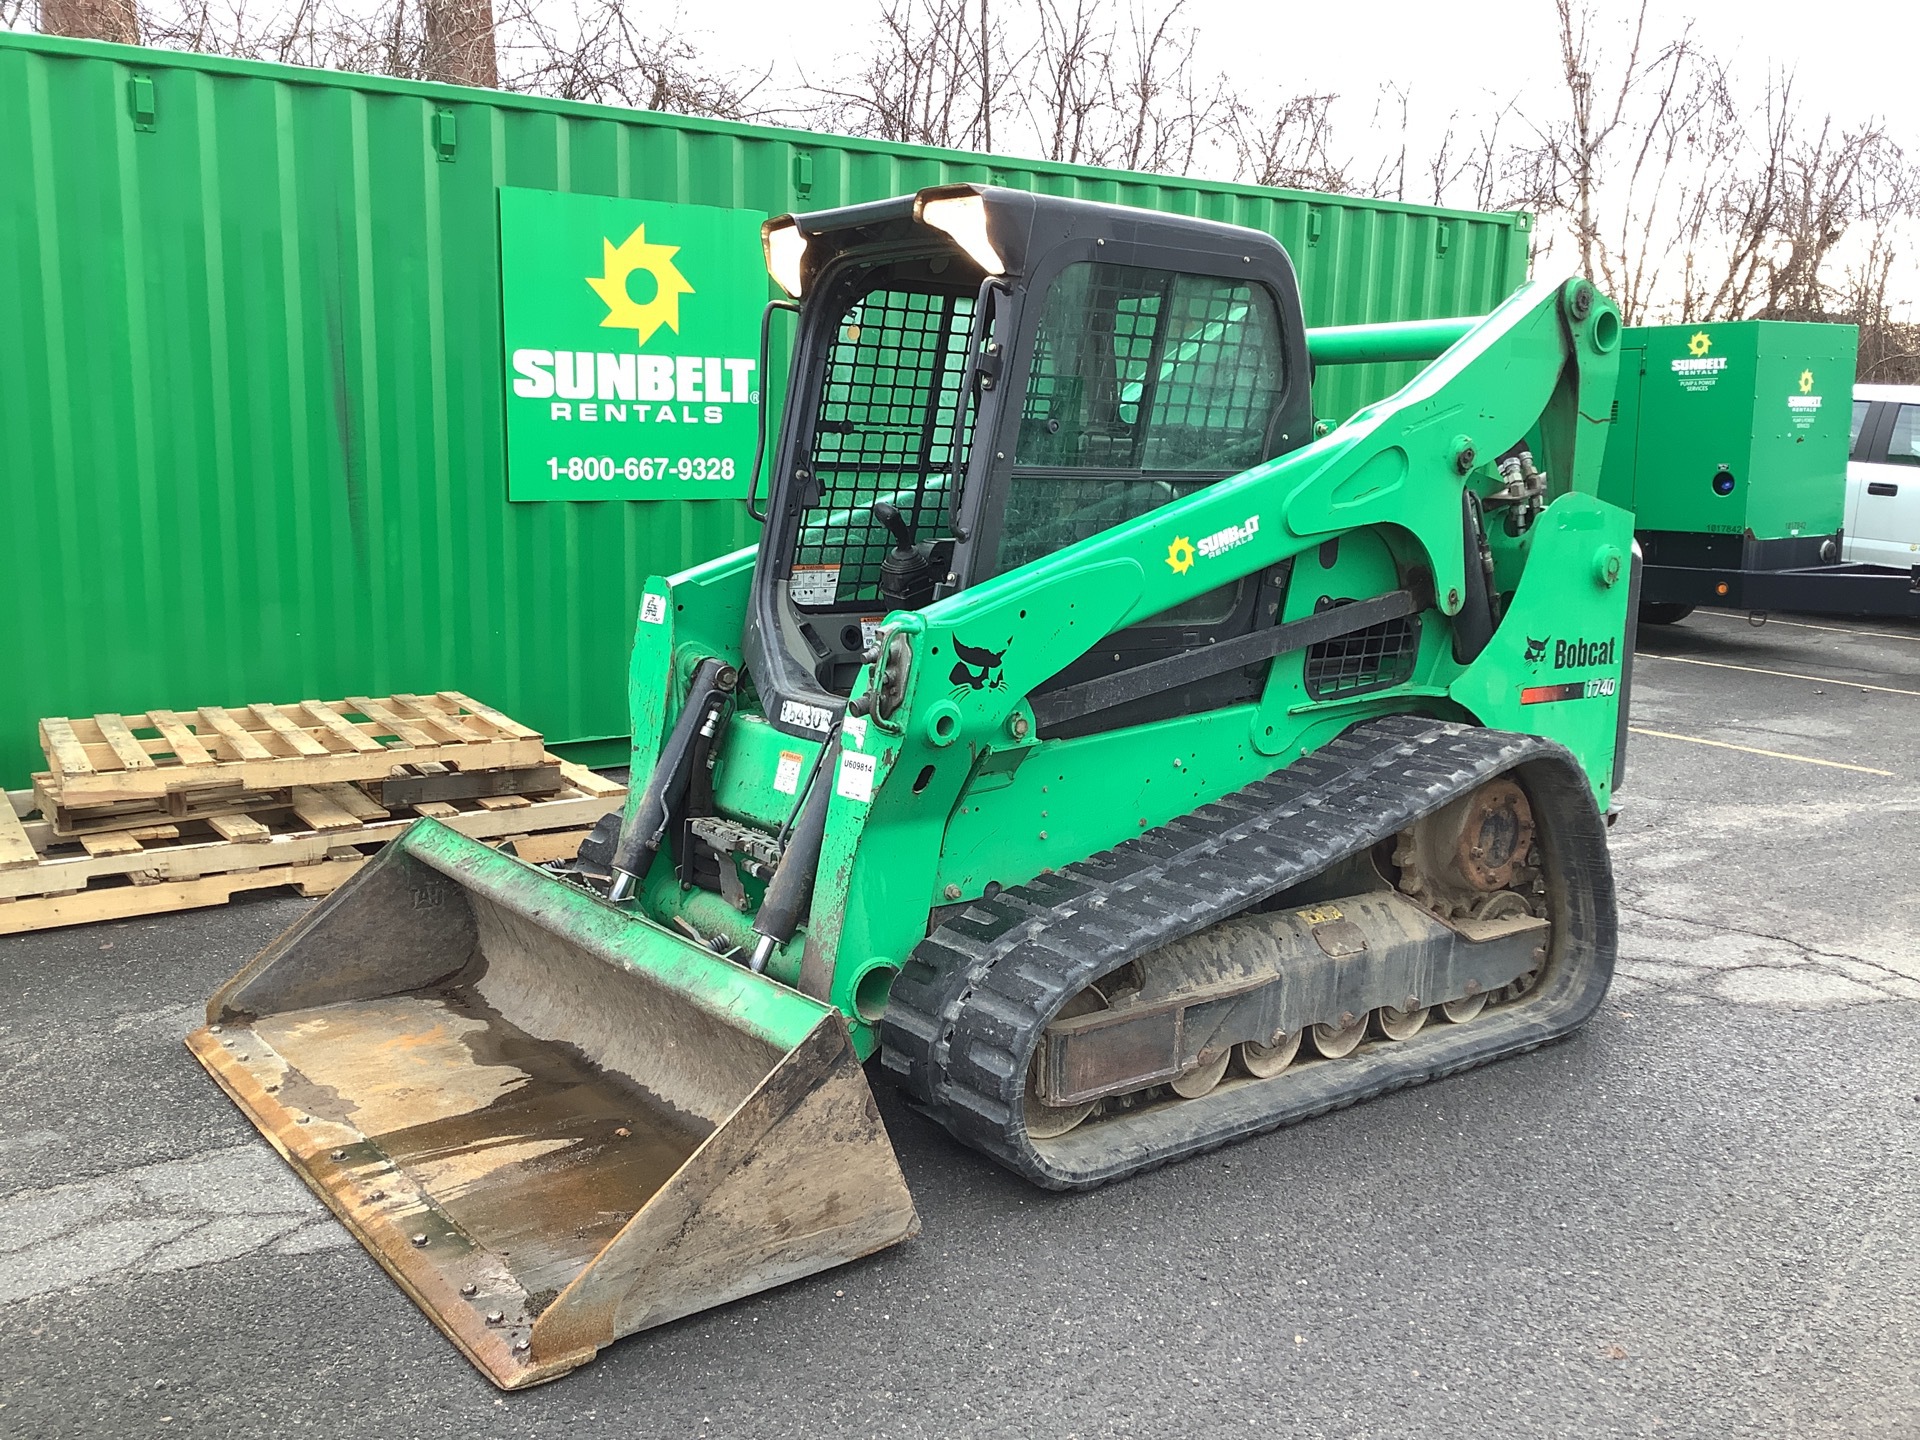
[[1695, 1218]]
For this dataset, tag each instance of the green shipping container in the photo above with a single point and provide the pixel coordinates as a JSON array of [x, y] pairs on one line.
[[266, 362], [1735, 429]]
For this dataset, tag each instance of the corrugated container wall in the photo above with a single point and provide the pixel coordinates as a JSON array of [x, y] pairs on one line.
[[251, 379]]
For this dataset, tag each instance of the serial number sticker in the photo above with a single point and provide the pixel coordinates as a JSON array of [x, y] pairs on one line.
[[856, 776], [870, 630], [807, 717], [814, 584], [1321, 914], [653, 609], [786, 772]]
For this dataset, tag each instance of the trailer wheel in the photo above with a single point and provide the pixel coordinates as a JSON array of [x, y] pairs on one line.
[[1658, 613]]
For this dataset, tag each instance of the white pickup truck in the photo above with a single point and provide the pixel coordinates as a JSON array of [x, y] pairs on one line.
[[1883, 477]]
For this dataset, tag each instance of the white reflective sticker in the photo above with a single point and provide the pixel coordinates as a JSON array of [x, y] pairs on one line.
[[653, 609], [854, 727], [856, 776], [786, 774], [807, 717], [814, 584]]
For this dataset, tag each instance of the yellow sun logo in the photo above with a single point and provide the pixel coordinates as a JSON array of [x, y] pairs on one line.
[[1700, 344], [1180, 555], [1806, 382], [623, 311]]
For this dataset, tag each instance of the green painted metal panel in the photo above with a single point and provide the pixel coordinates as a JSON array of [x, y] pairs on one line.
[[251, 393], [1733, 429]]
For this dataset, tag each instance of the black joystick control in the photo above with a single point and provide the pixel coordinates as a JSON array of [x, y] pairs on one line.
[[906, 574]]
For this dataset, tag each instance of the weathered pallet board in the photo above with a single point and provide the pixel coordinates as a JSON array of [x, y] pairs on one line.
[[58, 870], [311, 878], [16, 850], [467, 784], [111, 759], [401, 789], [156, 810]]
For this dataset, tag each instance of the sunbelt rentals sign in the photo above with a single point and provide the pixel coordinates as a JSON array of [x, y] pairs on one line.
[[632, 347]]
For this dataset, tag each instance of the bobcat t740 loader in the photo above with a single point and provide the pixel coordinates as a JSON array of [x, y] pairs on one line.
[[1125, 760]]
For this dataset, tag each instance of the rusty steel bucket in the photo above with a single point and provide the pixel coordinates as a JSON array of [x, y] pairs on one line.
[[552, 1121]]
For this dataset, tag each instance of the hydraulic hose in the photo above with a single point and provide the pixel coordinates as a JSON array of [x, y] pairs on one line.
[[790, 891], [707, 696]]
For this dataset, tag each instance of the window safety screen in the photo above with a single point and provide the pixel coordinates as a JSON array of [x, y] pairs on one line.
[[885, 431], [1145, 386]]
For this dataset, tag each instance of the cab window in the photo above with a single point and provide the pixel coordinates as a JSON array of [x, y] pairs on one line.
[[1144, 386]]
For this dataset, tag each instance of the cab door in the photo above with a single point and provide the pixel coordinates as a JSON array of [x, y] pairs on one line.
[[1883, 485]]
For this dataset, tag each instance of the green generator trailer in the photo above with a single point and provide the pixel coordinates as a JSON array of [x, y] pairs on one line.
[[1122, 759], [1730, 446]]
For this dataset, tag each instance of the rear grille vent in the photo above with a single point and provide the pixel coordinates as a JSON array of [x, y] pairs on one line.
[[1375, 658]]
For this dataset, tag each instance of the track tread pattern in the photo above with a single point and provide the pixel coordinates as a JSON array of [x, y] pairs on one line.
[[968, 1008]]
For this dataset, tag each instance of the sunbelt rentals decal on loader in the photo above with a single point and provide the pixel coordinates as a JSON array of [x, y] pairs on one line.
[[632, 332]]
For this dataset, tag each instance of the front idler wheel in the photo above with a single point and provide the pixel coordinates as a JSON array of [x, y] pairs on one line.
[[1050, 1122]]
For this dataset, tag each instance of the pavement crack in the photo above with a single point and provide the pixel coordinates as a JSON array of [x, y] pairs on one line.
[[1802, 946]]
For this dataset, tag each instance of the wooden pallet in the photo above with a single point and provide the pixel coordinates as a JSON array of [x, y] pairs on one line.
[[407, 785], [111, 760], [48, 880]]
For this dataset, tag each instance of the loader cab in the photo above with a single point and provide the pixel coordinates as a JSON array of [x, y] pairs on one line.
[[982, 377]]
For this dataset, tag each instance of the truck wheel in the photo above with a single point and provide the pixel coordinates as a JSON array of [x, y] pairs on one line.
[[1658, 613]]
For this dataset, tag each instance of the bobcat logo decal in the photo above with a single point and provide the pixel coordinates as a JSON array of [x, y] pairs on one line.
[[1536, 650], [976, 669]]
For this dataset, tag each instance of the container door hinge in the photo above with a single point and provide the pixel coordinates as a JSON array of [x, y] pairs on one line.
[[443, 134], [140, 101]]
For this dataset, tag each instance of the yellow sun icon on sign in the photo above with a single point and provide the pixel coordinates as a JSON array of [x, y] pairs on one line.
[[623, 311], [1806, 382], [1699, 344], [1180, 555]]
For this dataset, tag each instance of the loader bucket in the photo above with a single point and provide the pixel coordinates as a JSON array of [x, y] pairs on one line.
[[552, 1121]]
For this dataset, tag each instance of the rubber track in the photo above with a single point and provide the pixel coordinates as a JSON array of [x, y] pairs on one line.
[[968, 1008]]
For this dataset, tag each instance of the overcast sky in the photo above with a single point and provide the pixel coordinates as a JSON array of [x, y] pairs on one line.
[[1852, 56]]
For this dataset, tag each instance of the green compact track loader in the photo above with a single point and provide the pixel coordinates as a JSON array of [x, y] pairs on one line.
[[1122, 758]]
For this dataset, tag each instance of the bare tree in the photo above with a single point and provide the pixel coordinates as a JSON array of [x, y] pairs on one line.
[[459, 43], [1291, 146], [116, 20], [933, 75], [1167, 111], [606, 53], [1082, 81], [1067, 91], [1638, 157], [600, 50]]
